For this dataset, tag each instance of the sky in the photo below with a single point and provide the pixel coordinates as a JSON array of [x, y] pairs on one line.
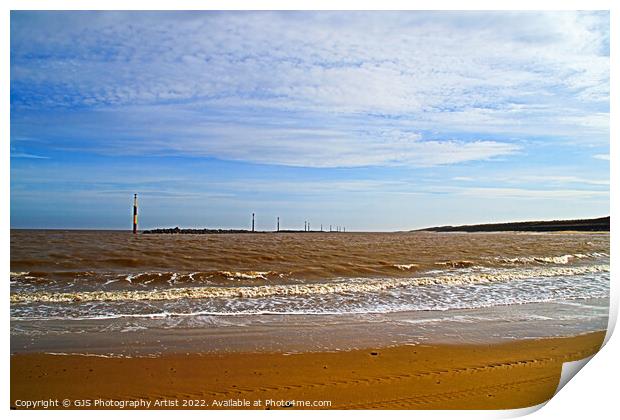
[[370, 120]]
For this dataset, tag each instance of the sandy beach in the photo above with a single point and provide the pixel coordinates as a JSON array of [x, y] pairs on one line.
[[306, 209], [500, 376], [301, 321]]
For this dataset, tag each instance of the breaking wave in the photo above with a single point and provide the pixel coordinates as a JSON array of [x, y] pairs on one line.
[[350, 286], [456, 264], [560, 259], [406, 266], [144, 278]]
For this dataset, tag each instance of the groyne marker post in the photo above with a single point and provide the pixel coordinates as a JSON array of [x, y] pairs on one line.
[[135, 213]]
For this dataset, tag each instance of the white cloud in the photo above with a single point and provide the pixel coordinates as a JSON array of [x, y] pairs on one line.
[[330, 147], [503, 73], [601, 157], [524, 193], [349, 62], [561, 179], [27, 156]]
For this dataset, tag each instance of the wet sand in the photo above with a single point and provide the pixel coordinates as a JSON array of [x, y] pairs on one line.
[[513, 374]]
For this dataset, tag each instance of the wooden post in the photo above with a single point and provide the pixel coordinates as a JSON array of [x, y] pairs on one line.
[[135, 213], [278, 225], [252, 222]]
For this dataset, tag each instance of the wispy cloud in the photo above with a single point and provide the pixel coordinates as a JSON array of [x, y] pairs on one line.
[[27, 156], [601, 157], [292, 140], [562, 179], [522, 193], [499, 74], [298, 111]]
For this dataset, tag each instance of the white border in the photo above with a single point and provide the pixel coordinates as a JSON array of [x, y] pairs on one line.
[[592, 394], [310, 5]]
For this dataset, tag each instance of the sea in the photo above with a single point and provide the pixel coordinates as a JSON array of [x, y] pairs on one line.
[[118, 293]]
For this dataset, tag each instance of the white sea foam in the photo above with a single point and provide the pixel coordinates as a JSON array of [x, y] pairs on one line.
[[349, 286], [19, 273], [560, 259], [246, 274], [103, 356], [406, 266]]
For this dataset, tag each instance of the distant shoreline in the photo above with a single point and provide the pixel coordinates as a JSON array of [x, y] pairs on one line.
[[601, 224], [178, 230], [581, 225]]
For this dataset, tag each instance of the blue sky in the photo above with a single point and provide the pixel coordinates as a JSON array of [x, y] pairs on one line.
[[375, 121]]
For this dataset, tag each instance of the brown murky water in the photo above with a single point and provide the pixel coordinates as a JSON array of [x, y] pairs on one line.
[[66, 255], [301, 290]]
